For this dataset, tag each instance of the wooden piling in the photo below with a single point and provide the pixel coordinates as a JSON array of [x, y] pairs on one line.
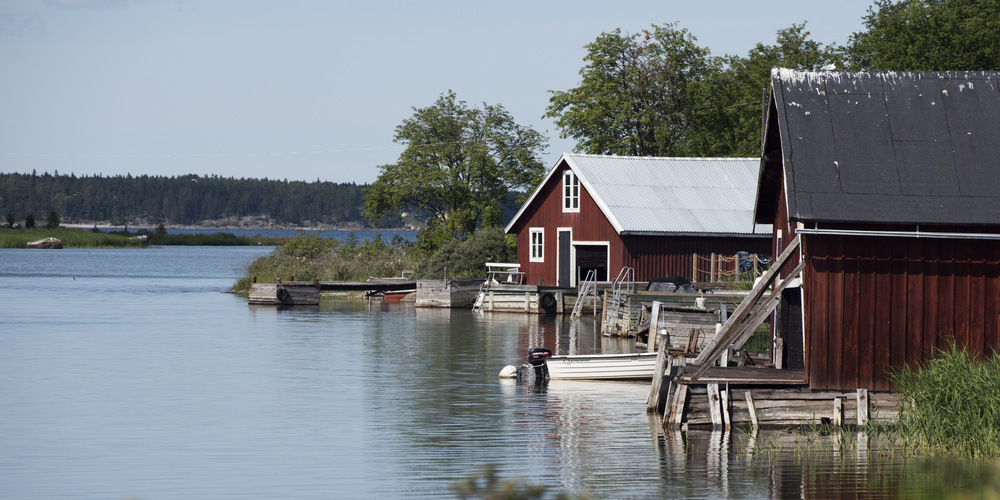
[[838, 412], [714, 406], [753, 413], [677, 412], [862, 407]]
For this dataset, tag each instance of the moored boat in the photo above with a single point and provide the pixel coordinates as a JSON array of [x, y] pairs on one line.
[[602, 366]]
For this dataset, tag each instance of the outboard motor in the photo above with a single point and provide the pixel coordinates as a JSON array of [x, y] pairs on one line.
[[537, 357]]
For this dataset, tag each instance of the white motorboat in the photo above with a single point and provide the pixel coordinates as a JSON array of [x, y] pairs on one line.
[[600, 366]]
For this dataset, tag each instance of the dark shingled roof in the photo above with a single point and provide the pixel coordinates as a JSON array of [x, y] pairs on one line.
[[883, 147]]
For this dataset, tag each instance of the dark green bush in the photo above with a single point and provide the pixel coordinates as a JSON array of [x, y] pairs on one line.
[[468, 258]]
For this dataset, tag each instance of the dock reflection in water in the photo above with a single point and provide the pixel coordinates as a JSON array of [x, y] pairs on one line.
[[128, 373]]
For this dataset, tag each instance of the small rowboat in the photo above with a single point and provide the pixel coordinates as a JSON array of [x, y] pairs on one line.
[[601, 366]]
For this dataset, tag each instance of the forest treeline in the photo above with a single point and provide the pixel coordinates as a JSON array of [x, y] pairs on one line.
[[183, 200]]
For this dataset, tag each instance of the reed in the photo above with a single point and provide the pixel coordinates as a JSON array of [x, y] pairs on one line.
[[952, 404], [308, 257], [71, 238], [215, 239]]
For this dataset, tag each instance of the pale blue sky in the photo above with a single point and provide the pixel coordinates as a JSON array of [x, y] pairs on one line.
[[306, 90]]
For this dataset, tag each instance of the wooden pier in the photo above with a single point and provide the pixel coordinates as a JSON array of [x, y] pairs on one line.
[[289, 293], [448, 293], [530, 299]]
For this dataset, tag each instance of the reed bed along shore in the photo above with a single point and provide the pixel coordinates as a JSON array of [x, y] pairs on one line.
[[70, 238], [951, 405], [308, 256], [87, 238]]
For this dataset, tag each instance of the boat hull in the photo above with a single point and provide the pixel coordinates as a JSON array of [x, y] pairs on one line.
[[602, 366]]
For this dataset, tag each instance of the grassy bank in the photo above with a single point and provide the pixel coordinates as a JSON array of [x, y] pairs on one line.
[[71, 238], [216, 239], [87, 238], [308, 257]]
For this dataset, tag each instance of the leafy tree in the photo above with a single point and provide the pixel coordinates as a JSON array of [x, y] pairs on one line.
[[468, 258], [29, 221], [659, 93], [635, 93], [457, 163], [928, 35], [727, 122], [52, 220]]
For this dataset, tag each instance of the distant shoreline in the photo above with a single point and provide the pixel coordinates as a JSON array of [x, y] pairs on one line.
[[252, 227]]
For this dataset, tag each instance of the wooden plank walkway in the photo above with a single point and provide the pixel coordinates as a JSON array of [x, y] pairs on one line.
[[744, 376]]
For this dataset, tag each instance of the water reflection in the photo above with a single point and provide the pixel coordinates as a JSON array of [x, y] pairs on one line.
[[140, 378]]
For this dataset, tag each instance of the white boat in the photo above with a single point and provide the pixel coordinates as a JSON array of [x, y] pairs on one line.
[[602, 366]]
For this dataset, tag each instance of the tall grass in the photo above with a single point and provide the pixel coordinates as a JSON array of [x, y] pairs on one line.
[[215, 239], [308, 257], [952, 404], [70, 238]]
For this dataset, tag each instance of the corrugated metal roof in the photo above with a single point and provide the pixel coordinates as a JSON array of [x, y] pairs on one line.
[[655, 195]]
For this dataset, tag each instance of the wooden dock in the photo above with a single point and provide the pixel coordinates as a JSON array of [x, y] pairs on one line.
[[289, 293], [683, 311], [531, 299], [448, 293]]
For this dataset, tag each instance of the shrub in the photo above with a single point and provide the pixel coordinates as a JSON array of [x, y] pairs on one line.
[[467, 259], [307, 257]]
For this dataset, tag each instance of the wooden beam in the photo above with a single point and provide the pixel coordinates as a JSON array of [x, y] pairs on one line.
[[714, 346], [715, 406], [726, 418], [677, 412], [753, 413], [654, 320], [838, 411], [862, 407], [762, 313]]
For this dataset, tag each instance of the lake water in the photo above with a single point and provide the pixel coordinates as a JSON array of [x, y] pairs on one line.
[[128, 373]]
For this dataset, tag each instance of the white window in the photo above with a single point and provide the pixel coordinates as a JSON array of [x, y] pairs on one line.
[[571, 192], [537, 236]]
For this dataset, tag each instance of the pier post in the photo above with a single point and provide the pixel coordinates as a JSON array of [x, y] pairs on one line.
[[715, 406], [711, 269], [753, 413], [862, 407], [677, 412]]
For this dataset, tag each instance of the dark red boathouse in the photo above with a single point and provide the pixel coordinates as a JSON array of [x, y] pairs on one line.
[[892, 180]]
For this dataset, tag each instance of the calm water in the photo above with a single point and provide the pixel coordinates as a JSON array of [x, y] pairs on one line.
[[128, 373], [334, 234]]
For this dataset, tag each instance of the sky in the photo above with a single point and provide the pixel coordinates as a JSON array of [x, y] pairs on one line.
[[312, 89]]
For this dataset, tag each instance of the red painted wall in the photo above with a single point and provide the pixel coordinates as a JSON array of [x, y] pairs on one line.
[[872, 305], [650, 256]]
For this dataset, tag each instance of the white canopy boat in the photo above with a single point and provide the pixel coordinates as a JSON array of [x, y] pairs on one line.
[[601, 366]]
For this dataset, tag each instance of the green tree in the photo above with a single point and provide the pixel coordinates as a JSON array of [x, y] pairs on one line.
[[10, 220], [52, 220], [727, 122], [928, 35], [635, 95], [29, 221], [458, 161], [468, 258]]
